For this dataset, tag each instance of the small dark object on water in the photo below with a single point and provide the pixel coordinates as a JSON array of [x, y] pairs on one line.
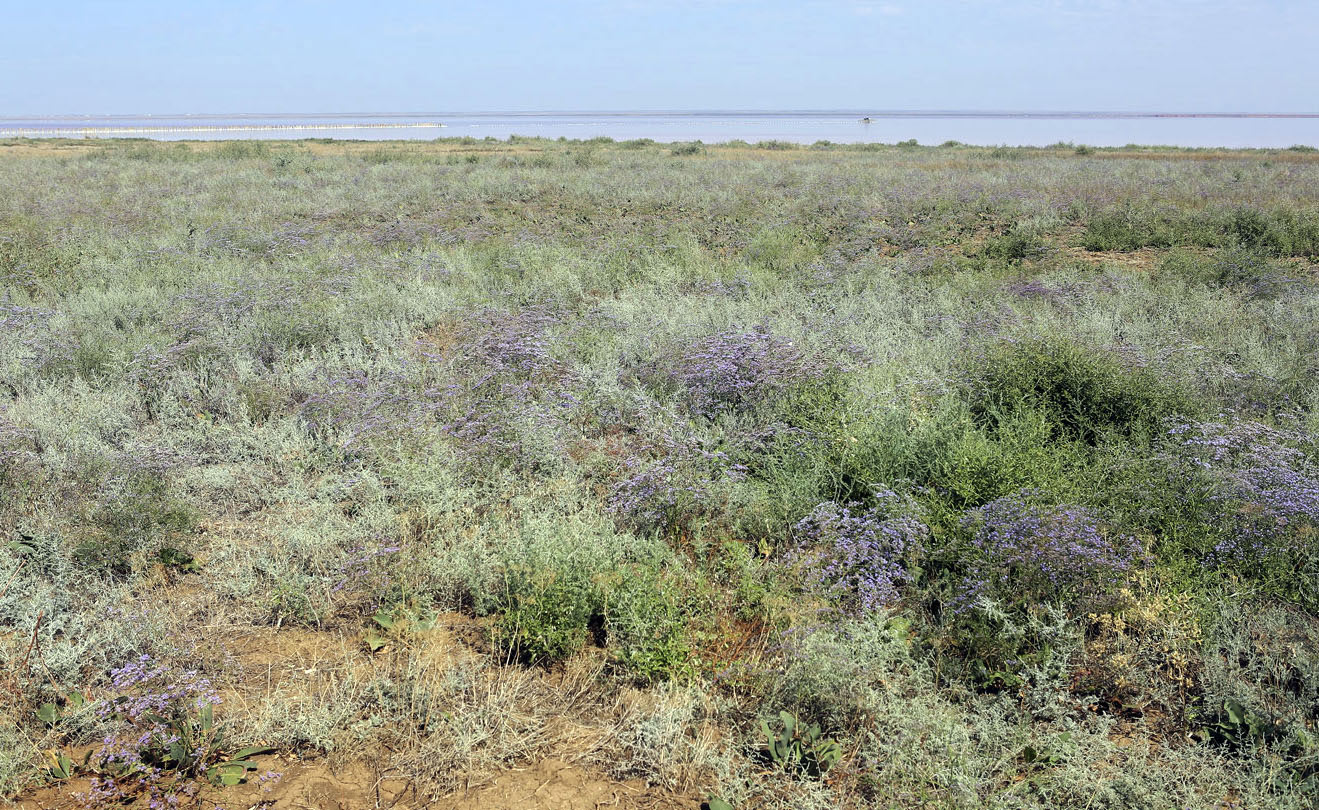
[[865, 120]]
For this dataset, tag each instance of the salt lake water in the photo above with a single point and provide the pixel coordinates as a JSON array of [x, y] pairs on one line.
[[839, 126]]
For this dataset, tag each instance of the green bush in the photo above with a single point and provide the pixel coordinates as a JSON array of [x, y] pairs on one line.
[[1126, 230], [242, 150], [645, 618], [1015, 246], [545, 613], [995, 649], [948, 459], [1086, 395], [1278, 232]]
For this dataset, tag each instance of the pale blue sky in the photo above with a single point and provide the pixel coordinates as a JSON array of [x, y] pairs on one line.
[[177, 56]]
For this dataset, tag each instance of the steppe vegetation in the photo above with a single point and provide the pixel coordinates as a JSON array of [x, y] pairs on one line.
[[773, 476]]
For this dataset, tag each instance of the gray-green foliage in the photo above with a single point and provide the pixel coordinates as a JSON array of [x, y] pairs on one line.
[[314, 386]]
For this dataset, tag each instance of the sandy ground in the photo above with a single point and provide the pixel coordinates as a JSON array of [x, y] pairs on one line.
[[547, 785]]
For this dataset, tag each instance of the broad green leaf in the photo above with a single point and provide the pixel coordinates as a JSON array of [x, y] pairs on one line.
[[1236, 713], [48, 713]]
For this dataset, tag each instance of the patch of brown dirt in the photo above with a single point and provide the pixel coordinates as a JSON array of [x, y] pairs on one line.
[[1143, 260], [555, 785], [551, 784]]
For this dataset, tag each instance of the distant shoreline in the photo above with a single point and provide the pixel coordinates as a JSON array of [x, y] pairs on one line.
[[21, 132], [880, 114], [1025, 127]]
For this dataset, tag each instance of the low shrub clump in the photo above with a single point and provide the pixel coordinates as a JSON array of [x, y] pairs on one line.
[[1085, 395], [1022, 553]]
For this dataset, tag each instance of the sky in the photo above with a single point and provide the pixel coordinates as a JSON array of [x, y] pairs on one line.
[[326, 56]]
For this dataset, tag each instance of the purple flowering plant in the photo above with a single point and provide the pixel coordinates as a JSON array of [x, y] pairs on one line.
[[858, 557], [1263, 483], [1020, 550], [166, 739], [680, 479], [734, 370]]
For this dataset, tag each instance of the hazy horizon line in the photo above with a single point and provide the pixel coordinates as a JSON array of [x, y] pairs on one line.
[[860, 111]]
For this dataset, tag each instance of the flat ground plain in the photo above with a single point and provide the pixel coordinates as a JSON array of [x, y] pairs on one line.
[[579, 474]]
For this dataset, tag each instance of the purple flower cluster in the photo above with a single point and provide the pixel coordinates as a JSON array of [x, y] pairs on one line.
[[737, 288], [149, 691], [355, 407], [1267, 484], [500, 343], [735, 370], [216, 308], [288, 239], [1030, 288], [680, 484], [857, 557], [512, 396], [365, 562], [1020, 550], [510, 427], [14, 317], [497, 393], [165, 740]]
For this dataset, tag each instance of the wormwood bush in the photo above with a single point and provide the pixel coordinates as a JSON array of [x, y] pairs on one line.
[[1260, 681], [646, 622], [837, 673], [1087, 395], [137, 520], [551, 574], [20, 471], [1247, 271]]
